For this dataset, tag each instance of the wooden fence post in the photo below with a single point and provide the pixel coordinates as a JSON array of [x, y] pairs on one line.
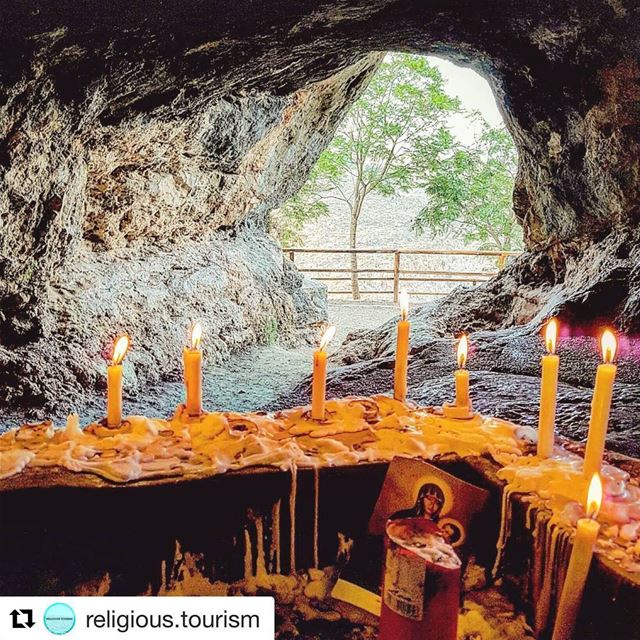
[[502, 259], [396, 275]]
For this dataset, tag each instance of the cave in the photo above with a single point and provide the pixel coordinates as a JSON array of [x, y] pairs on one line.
[[143, 148], [141, 158]]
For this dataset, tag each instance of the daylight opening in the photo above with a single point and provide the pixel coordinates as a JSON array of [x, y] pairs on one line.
[[415, 191]]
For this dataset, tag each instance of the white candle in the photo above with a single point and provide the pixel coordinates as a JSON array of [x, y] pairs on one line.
[[192, 360], [601, 406], [548, 392], [402, 350], [319, 384], [579, 564], [114, 382], [462, 375]]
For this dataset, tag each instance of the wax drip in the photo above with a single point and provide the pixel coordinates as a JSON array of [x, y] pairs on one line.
[[548, 566], [292, 511], [316, 477], [531, 516], [505, 528], [261, 567], [562, 563], [275, 536], [539, 546], [248, 555]]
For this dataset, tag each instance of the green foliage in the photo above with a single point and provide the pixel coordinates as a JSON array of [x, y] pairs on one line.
[[394, 139], [472, 186], [270, 335], [403, 107], [287, 223]]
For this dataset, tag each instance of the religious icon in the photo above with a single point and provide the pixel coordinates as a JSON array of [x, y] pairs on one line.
[[429, 504], [417, 489], [453, 531]]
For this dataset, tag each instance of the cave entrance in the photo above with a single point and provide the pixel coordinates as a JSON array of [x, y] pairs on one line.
[[413, 192]]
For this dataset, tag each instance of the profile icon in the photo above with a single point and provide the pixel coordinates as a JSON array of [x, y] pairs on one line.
[[59, 618]]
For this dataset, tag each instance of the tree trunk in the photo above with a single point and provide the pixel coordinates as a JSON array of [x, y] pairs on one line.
[[353, 235]]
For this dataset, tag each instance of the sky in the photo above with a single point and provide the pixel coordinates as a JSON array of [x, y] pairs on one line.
[[474, 93]]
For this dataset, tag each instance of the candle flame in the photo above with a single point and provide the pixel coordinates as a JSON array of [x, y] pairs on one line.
[[196, 335], [404, 304], [609, 346], [463, 349], [551, 335], [120, 350], [329, 332], [594, 497]]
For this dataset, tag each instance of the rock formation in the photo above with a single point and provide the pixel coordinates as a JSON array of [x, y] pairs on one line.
[[141, 150]]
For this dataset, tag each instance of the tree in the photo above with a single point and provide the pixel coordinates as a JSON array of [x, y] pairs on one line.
[[472, 186], [400, 119], [287, 222]]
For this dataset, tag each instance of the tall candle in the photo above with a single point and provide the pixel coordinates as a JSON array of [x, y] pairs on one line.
[[601, 406], [319, 385], [192, 359], [548, 392], [579, 564], [114, 382], [402, 350], [462, 374]]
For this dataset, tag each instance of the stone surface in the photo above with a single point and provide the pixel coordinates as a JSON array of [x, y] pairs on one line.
[[142, 148]]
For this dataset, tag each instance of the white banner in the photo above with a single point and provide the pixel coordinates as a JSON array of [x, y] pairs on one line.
[[137, 618]]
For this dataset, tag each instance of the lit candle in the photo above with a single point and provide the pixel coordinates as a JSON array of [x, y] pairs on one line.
[[319, 387], [548, 392], [192, 360], [462, 374], [579, 564], [601, 406], [114, 382], [402, 350]]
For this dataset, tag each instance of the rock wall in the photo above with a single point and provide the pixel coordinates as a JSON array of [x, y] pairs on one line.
[[142, 147], [143, 222]]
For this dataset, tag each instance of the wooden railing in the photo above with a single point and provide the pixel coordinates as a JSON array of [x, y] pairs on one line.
[[395, 273]]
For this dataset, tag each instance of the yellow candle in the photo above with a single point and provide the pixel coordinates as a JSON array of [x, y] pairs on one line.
[[192, 360], [462, 375], [319, 385], [402, 350], [601, 406], [548, 392], [579, 564], [114, 382]]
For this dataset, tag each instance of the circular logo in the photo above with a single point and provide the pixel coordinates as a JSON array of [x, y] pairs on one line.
[[59, 618]]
